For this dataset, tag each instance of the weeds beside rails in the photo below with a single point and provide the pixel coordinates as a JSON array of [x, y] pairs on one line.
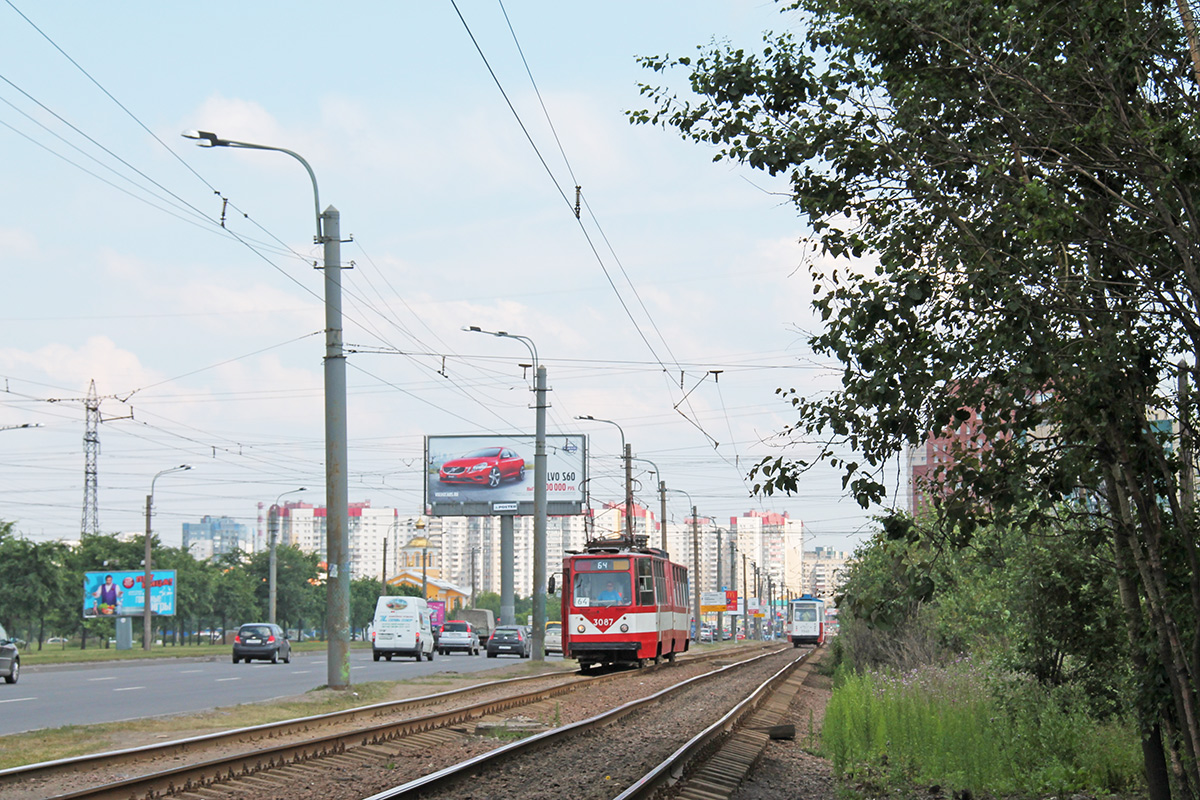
[[958, 727]]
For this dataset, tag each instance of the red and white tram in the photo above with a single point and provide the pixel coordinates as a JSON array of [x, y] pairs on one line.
[[623, 605], [806, 620]]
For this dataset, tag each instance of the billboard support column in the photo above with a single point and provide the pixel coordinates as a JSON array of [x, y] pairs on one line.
[[508, 607], [539, 520], [147, 582]]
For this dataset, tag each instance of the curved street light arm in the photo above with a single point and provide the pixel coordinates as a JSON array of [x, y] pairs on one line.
[[208, 139]]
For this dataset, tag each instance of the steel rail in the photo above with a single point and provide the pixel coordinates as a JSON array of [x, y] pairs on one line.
[[685, 762], [260, 759], [199, 775], [441, 779], [269, 730]]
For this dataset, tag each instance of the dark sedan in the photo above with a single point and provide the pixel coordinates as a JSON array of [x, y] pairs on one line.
[[262, 641], [513, 640], [487, 466]]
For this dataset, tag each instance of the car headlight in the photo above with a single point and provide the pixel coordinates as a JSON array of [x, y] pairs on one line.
[[478, 467]]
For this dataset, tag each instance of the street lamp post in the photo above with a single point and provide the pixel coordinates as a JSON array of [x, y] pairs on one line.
[[628, 476], [147, 577], [392, 533], [420, 524], [337, 503], [474, 550], [733, 579], [421, 541], [273, 568], [695, 566], [720, 615], [662, 496], [539, 492]]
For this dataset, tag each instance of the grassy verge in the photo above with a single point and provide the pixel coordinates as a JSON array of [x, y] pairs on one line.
[[961, 728], [57, 654]]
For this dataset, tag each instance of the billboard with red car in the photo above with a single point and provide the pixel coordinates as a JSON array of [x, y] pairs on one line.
[[485, 475]]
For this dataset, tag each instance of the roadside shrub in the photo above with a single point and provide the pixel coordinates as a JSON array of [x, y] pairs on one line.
[[961, 727]]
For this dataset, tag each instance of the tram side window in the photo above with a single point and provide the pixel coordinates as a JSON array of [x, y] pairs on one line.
[[601, 589], [660, 583], [645, 582]]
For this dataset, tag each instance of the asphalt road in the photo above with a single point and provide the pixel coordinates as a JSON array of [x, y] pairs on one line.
[[86, 694]]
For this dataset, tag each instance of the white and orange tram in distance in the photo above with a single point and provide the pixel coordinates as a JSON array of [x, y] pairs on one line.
[[623, 605], [807, 620]]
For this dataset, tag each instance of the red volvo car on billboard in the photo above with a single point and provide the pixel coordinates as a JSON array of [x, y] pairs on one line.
[[485, 466]]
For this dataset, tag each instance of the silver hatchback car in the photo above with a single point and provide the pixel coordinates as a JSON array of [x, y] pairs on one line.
[[458, 634]]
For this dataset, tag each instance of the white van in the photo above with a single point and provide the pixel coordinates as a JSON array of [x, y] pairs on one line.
[[401, 628]]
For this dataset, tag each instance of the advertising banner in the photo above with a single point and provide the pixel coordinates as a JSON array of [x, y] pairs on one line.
[[712, 602], [437, 612], [122, 594], [731, 601], [754, 607], [489, 475]]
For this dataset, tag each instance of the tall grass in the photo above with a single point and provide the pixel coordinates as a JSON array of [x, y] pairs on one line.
[[961, 728]]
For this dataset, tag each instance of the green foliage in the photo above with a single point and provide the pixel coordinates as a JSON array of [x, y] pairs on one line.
[[41, 587], [1032, 601], [955, 726], [364, 595], [1019, 181]]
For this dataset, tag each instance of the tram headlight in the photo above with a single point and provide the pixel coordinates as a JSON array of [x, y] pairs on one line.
[[579, 629], [624, 628]]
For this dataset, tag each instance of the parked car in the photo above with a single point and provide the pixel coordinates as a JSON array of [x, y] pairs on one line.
[[10, 659], [510, 639], [458, 634], [263, 641], [487, 466], [553, 640]]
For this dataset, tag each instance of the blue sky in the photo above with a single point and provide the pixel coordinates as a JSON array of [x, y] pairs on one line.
[[205, 342]]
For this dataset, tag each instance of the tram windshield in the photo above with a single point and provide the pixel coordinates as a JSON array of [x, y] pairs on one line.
[[601, 589], [806, 614]]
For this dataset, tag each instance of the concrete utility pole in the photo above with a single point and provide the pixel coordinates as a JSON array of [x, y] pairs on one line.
[[539, 493], [337, 496], [733, 584], [662, 496], [625, 449], [696, 567], [746, 599], [720, 615]]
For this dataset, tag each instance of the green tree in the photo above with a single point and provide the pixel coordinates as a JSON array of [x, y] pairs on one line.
[[1020, 180], [233, 593], [364, 594], [299, 590], [31, 584]]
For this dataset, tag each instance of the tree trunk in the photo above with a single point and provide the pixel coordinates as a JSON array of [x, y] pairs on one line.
[[1158, 785]]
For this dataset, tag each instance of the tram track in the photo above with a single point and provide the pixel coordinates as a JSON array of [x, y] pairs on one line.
[[290, 748], [596, 758]]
